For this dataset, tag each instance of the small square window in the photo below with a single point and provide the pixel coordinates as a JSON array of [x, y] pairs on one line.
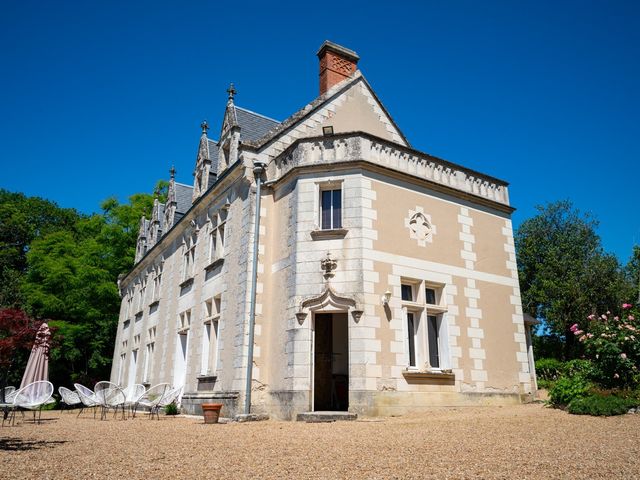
[[430, 296], [407, 293]]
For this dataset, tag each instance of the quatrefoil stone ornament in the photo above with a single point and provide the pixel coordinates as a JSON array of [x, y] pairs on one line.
[[420, 226]]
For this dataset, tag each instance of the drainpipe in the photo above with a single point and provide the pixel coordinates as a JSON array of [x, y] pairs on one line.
[[258, 170]]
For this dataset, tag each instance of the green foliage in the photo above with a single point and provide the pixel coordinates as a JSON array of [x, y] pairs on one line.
[[548, 368], [565, 389], [72, 278], [548, 346], [612, 344], [23, 219], [171, 409], [632, 271], [601, 405], [564, 271]]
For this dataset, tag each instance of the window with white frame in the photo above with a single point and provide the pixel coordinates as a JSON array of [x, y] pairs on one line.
[[189, 256], [210, 335], [330, 207], [157, 282], [148, 358], [423, 310], [216, 235]]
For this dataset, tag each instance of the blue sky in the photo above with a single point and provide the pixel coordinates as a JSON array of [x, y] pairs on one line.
[[101, 99]]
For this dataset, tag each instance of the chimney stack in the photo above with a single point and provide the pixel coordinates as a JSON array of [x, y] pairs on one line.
[[336, 64]]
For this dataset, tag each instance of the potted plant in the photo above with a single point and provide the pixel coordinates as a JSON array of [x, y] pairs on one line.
[[211, 412]]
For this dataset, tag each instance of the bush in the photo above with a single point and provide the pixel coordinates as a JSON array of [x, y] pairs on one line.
[[566, 389], [548, 368], [600, 405], [171, 409], [580, 367]]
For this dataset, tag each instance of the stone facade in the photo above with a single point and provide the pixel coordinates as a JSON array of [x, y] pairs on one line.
[[386, 277]]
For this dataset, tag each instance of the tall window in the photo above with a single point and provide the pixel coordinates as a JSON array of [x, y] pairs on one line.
[[210, 336], [148, 358], [216, 236], [189, 257], [424, 311], [330, 209], [157, 282]]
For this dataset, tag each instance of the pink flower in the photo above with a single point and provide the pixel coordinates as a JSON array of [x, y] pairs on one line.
[[631, 317], [603, 316], [591, 317], [608, 312], [623, 356], [589, 335], [626, 306], [616, 376], [581, 339], [574, 327], [616, 318]]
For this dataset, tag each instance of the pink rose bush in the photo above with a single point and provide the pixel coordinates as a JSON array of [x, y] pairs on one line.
[[612, 344]]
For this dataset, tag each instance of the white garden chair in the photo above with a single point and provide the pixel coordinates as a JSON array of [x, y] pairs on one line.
[[109, 395], [152, 398], [87, 398], [69, 397], [168, 398], [132, 394], [32, 397]]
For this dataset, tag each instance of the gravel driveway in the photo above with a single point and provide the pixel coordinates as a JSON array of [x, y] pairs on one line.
[[517, 442]]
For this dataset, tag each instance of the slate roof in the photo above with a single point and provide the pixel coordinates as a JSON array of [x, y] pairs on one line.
[[253, 126], [213, 154], [184, 194]]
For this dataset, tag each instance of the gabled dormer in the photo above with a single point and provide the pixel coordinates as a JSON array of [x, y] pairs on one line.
[[141, 244], [171, 205], [155, 225], [229, 135], [205, 173]]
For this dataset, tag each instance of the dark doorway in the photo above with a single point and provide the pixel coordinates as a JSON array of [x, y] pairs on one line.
[[331, 360]]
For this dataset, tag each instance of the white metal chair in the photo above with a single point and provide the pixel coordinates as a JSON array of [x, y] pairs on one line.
[[132, 394], [168, 398], [109, 395], [152, 398], [32, 397], [87, 398], [69, 397]]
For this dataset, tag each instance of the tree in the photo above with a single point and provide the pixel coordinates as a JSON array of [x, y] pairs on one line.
[[18, 333], [72, 279], [22, 219], [632, 271], [564, 272]]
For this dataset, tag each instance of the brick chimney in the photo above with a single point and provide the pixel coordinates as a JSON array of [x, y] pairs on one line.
[[336, 64]]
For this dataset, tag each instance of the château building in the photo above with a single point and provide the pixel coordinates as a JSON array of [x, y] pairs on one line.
[[331, 264]]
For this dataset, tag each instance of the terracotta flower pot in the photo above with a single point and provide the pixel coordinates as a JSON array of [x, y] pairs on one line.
[[211, 412]]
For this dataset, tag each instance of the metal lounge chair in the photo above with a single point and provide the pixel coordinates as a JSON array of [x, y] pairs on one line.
[[69, 397], [109, 395], [32, 397], [152, 398], [169, 397], [87, 398], [132, 394]]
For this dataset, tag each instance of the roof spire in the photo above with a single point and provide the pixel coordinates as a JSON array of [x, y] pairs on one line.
[[231, 91], [172, 172], [204, 126]]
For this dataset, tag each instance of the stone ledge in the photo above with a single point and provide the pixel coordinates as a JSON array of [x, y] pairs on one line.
[[250, 417], [439, 377], [329, 234], [186, 283], [216, 263], [322, 417]]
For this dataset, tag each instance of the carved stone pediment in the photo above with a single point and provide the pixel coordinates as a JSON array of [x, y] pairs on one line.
[[328, 301]]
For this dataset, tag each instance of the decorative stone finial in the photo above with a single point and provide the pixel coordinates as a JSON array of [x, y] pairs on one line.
[[328, 264], [231, 91], [172, 172], [204, 126]]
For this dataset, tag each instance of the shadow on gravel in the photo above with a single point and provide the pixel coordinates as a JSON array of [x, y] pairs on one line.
[[19, 445]]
